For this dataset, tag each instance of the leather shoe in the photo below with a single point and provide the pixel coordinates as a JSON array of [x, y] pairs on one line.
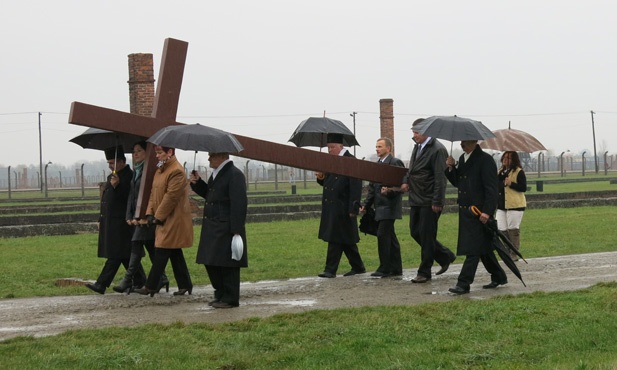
[[493, 285], [380, 274], [96, 287], [213, 301], [458, 290], [221, 304], [420, 279], [445, 267], [353, 272], [327, 274]]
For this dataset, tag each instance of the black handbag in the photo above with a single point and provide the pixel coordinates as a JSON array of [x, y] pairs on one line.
[[368, 225]]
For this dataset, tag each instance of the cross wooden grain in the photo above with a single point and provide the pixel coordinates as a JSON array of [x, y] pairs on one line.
[[164, 114]]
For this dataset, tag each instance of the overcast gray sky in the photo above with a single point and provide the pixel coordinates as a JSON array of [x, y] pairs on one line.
[[258, 68]]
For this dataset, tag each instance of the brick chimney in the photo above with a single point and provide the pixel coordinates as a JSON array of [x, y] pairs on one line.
[[141, 84], [386, 119]]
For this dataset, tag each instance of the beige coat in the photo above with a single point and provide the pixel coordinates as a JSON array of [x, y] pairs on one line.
[[169, 202]]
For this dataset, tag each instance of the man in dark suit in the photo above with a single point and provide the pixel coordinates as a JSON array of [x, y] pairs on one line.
[[477, 186], [388, 208], [224, 217], [114, 233], [339, 210], [426, 183]]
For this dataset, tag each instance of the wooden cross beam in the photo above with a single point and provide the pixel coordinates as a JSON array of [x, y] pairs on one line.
[[164, 114]]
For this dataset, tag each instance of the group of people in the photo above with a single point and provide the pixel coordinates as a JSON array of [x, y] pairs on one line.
[[497, 193], [168, 225], [168, 228]]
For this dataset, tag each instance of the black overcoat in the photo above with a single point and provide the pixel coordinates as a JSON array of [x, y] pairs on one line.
[[477, 185], [224, 215], [389, 206], [114, 232], [425, 177], [341, 196]]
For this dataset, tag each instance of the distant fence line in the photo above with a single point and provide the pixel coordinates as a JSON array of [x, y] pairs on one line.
[[564, 164]]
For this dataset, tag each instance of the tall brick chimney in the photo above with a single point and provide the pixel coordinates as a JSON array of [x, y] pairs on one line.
[[141, 84], [386, 119]]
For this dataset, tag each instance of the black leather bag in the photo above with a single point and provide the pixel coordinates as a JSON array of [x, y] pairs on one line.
[[368, 225]]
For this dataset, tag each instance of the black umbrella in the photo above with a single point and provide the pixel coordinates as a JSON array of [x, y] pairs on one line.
[[314, 131], [94, 138], [453, 128], [502, 244], [198, 138]]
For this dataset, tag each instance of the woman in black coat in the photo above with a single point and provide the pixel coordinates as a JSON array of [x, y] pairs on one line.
[[477, 186], [143, 234]]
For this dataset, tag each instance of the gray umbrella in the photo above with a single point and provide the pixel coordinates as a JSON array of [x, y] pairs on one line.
[[94, 138], [453, 128], [314, 132], [198, 138]]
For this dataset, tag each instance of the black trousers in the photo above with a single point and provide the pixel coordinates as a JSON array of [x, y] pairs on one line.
[[226, 283], [110, 269], [178, 265], [388, 248], [336, 250], [137, 247], [468, 271], [423, 224]]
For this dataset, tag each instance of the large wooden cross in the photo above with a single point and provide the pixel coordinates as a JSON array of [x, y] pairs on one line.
[[164, 114]]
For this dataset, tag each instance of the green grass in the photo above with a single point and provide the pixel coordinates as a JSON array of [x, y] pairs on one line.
[[289, 249], [571, 330]]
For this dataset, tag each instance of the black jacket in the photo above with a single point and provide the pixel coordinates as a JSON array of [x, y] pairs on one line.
[[477, 185], [389, 206], [425, 177], [114, 233], [225, 211]]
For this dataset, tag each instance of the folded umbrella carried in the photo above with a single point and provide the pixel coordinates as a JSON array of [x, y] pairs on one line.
[[501, 244]]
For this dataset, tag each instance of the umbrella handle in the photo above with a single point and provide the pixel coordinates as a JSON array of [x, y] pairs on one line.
[[475, 210]]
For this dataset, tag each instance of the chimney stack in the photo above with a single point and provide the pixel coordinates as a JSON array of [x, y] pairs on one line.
[[141, 84], [386, 119]]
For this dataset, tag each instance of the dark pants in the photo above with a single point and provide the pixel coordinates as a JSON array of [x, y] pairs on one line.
[[110, 269], [423, 227], [388, 248], [137, 247], [468, 271], [178, 265], [226, 283], [336, 250]]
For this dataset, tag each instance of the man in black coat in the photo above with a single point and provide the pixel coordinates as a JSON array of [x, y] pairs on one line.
[[388, 208], [114, 233], [477, 186], [224, 217], [426, 183], [339, 210]]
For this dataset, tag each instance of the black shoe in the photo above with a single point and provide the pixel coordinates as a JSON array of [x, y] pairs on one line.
[[182, 291], [221, 304], [125, 286], [445, 267], [458, 290], [493, 285], [96, 287], [213, 301], [381, 274], [353, 272], [146, 291], [327, 274], [420, 279]]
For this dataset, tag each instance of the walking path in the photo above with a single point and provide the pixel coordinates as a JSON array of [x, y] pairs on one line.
[[52, 315]]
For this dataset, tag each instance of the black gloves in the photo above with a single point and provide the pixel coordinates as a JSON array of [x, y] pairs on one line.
[[153, 221]]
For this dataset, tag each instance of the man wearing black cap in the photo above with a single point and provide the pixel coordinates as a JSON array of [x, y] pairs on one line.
[[339, 209], [114, 232]]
